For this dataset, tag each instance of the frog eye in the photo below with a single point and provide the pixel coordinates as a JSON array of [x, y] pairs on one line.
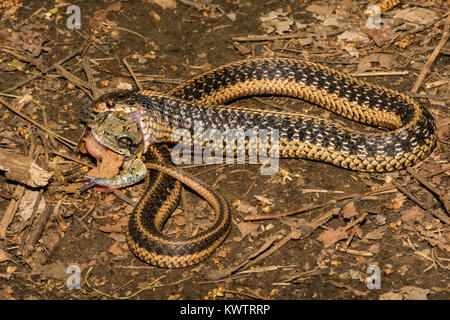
[[110, 104], [125, 142]]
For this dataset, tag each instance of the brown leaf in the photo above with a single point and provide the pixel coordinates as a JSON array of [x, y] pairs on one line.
[[4, 256], [396, 203], [246, 228], [414, 293], [331, 236], [376, 234], [319, 10], [381, 35], [349, 210], [110, 165], [375, 61], [111, 228], [391, 295], [412, 215], [245, 207], [165, 4], [115, 249], [98, 17]]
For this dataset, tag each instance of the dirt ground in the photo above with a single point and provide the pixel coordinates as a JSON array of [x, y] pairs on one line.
[[44, 65]]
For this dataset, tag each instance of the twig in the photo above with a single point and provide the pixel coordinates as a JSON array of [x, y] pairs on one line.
[[66, 156], [335, 200], [433, 56], [429, 96], [152, 285], [133, 75], [87, 69], [23, 169], [40, 126], [46, 70], [124, 198], [11, 210], [18, 26], [381, 73], [38, 229], [81, 84], [14, 203], [269, 38], [438, 193], [268, 248], [190, 3], [414, 199]]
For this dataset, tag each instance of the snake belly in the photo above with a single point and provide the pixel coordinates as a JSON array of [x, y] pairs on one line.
[[410, 137]]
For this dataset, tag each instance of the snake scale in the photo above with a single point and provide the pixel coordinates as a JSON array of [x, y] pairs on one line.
[[142, 122]]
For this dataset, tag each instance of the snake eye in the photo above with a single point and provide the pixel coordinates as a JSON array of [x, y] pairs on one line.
[[110, 104], [125, 142]]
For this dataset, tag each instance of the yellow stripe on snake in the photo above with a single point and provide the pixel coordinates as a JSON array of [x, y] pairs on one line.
[[142, 122]]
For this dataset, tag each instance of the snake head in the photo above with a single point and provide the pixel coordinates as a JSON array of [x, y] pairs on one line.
[[119, 132]]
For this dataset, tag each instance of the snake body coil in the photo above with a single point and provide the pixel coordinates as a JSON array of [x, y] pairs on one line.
[[411, 137]]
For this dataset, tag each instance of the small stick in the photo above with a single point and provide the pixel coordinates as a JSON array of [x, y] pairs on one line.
[[14, 203], [23, 169], [17, 27], [433, 56], [414, 199], [66, 156], [133, 75], [11, 210], [335, 200], [269, 38], [124, 198], [46, 70], [40, 126], [38, 228], [381, 73], [83, 85], [87, 69], [440, 194]]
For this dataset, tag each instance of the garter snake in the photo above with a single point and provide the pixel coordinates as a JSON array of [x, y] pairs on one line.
[[146, 119]]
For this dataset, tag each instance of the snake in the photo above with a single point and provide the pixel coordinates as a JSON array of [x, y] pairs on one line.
[[140, 124]]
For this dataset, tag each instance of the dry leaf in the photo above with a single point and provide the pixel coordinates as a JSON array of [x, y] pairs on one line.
[[376, 234], [246, 228], [414, 293], [110, 165], [27, 203], [396, 203], [4, 256], [276, 21], [367, 63], [111, 228], [99, 16], [353, 36], [165, 4], [349, 210], [412, 215], [245, 207], [115, 249], [119, 237], [391, 296], [331, 236], [416, 15], [319, 10], [55, 270], [264, 200]]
